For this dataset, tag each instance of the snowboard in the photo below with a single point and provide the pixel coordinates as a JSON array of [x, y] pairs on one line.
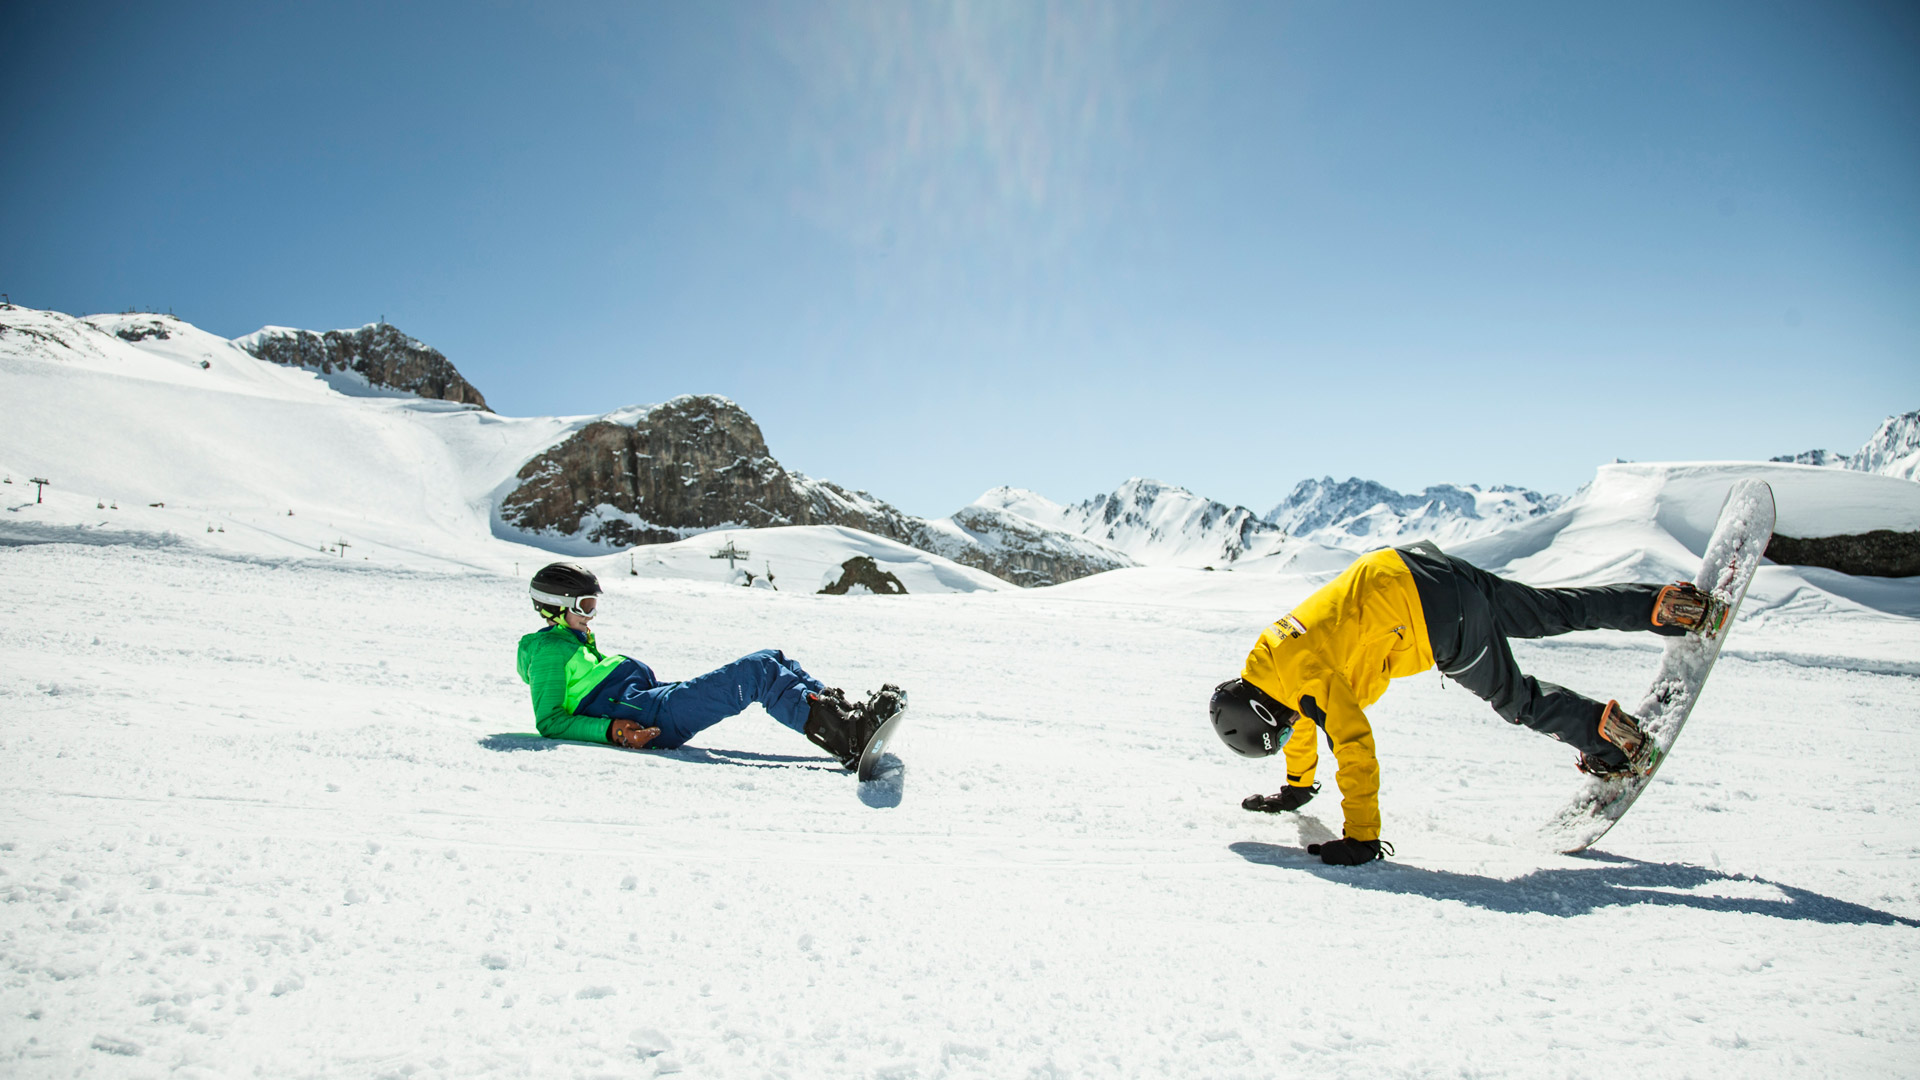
[[1733, 554], [882, 735]]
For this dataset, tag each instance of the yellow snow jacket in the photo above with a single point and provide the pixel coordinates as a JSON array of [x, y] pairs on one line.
[[1330, 658]]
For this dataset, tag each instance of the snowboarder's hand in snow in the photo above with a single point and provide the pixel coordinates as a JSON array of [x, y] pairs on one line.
[[1291, 798], [1347, 851], [630, 735]]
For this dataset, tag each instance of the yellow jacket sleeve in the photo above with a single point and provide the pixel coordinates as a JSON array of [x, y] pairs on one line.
[[1352, 738], [1303, 753]]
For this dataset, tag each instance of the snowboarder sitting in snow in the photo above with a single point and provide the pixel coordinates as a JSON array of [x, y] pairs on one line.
[[584, 694], [1398, 612]]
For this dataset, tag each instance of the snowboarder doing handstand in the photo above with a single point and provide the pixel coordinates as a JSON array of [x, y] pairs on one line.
[[582, 693], [1399, 611]]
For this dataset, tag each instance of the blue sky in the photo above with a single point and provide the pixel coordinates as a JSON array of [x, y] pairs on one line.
[[938, 247]]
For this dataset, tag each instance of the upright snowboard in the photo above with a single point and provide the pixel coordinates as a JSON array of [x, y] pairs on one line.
[[1733, 554], [876, 746]]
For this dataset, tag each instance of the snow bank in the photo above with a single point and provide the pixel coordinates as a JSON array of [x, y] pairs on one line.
[[799, 557], [1651, 521]]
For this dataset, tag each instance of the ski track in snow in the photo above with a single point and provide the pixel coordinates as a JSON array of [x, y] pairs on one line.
[[257, 821]]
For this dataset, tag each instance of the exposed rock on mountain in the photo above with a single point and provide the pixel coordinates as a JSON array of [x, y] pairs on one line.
[[154, 328], [861, 573], [1880, 553], [377, 352], [664, 472], [1826, 459], [1358, 514]]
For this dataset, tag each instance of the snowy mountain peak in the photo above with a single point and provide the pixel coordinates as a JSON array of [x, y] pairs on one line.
[[1894, 450], [690, 404], [1360, 514]]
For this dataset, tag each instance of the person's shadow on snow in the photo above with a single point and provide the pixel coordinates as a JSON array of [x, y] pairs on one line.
[[883, 792], [1613, 882], [509, 743]]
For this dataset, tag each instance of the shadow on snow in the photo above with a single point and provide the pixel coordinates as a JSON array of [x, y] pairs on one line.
[[1614, 882], [888, 786], [518, 742], [883, 792]]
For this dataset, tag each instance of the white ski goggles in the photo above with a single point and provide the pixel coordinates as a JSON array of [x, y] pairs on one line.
[[584, 606]]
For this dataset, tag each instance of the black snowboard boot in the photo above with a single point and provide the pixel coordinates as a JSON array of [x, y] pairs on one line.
[[832, 725], [879, 708]]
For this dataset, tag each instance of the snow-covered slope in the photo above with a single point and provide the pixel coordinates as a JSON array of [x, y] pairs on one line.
[[263, 818], [799, 558], [153, 431], [1362, 514], [1150, 523]]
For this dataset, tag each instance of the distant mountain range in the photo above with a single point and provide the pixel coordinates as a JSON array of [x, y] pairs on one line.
[[697, 463], [661, 473], [1893, 450]]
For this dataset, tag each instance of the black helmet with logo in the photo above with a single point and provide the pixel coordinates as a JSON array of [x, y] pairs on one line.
[[562, 586], [1249, 720]]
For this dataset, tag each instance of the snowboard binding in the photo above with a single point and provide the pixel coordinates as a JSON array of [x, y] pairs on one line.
[[1691, 608], [844, 729], [1626, 734]]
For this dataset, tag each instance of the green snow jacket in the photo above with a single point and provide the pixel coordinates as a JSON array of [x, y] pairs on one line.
[[562, 667]]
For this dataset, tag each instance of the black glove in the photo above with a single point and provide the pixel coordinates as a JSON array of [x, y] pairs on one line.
[[1290, 798], [1347, 851]]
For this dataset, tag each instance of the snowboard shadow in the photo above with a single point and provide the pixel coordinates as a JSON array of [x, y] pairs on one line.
[[700, 755], [1612, 882], [888, 786]]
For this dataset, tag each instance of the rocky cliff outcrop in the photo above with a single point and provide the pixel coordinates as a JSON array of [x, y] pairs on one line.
[[377, 352], [862, 573], [664, 472], [1880, 553]]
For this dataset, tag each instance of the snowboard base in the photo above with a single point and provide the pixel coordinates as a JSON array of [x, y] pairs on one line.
[[1733, 554], [876, 746]]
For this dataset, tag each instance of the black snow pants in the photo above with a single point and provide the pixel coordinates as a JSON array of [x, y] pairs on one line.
[[1471, 614]]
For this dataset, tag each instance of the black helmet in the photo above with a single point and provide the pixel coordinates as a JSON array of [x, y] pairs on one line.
[[561, 586], [1249, 720]]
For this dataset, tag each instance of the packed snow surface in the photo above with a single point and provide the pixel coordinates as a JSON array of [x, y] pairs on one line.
[[270, 815]]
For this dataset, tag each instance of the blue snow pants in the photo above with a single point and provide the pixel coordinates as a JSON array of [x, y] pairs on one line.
[[684, 709]]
